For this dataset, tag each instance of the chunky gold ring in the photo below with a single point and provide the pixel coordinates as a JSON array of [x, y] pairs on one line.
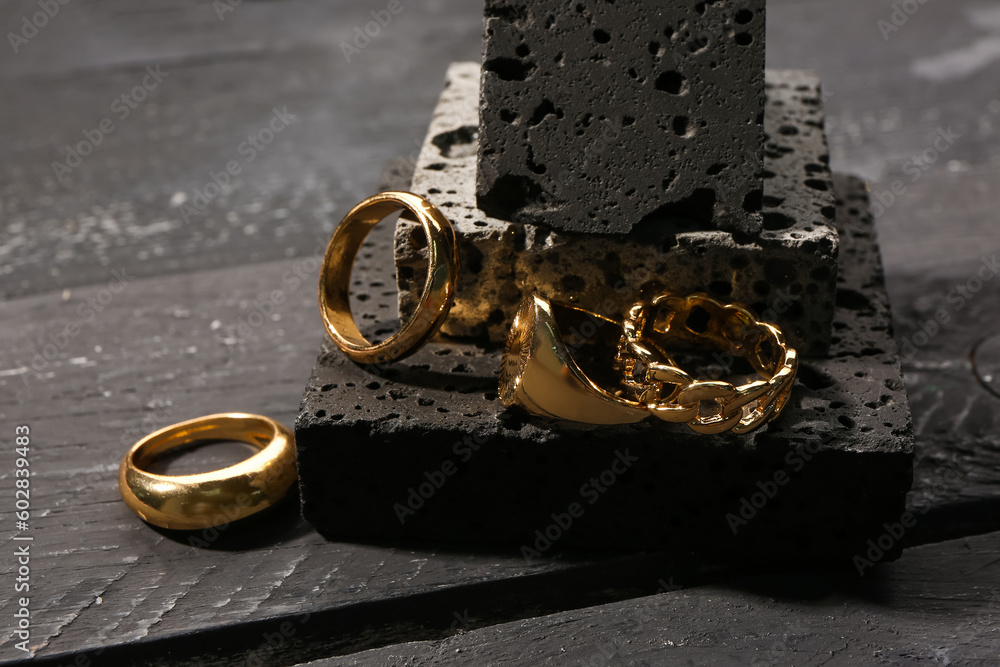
[[335, 276], [707, 406], [188, 502], [539, 373]]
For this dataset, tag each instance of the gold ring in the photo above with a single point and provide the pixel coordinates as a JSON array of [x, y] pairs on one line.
[[707, 406], [188, 502], [539, 373], [335, 276]]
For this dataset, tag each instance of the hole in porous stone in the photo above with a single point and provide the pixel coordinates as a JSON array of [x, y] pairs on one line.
[[654, 48], [668, 181], [829, 212], [509, 69], [699, 207], [460, 142], [508, 195], [437, 166], [541, 111], [425, 402], [508, 116], [328, 387], [522, 50], [373, 386], [744, 39], [698, 44], [817, 184], [473, 257], [852, 299], [627, 121], [788, 130], [672, 82], [754, 201], [601, 36], [744, 16], [773, 220], [320, 414], [814, 379], [846, 421], [510, 13], [680, 125], [715, 169]]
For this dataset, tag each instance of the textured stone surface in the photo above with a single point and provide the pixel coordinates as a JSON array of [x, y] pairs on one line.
[[368, 441], [787, 273], [598, 115]]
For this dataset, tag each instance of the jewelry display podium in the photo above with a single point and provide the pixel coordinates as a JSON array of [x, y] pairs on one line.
[[423, 450]]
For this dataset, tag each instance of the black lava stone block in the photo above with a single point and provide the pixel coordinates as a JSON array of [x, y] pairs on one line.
[[422, 451], [596, 115]]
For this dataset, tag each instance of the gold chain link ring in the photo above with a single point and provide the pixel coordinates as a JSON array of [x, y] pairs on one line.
[[707, 406]]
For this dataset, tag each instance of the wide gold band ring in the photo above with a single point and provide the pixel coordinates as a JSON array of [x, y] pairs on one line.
[[439, 288], [189, 502]]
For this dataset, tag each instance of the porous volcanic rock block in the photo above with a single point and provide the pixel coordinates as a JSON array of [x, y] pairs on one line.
[[596, 115], [424, 451], [787, 273]]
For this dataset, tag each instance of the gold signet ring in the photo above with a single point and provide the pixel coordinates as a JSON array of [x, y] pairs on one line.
[[435, 300], [189, 502], [539, 373]]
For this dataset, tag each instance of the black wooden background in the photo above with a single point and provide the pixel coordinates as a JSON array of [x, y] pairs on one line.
[[156, 292]]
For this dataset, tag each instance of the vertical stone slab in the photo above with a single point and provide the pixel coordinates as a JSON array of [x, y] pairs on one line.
[[596, 116]]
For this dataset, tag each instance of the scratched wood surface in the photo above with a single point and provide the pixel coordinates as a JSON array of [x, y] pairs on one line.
[[170, 345]]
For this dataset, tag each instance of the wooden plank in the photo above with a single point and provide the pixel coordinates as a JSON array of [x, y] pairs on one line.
[[171, 348], [131, 201], [939, 604], [155, 354], [164, 350]]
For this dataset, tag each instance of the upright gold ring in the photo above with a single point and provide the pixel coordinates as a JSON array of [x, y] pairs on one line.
[[189, 502], [439, 289]]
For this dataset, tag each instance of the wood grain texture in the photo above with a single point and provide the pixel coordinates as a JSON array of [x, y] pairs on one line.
[[130, 202], [169, 346], [940, 604], [161, 351]]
